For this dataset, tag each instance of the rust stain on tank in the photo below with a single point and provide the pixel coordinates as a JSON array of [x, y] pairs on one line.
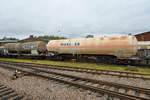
[[113, 38], [123, 37], [102, 38]]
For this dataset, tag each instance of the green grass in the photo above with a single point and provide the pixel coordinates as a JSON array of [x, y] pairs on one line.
[[78, 64]]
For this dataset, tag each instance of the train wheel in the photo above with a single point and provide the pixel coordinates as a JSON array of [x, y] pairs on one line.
[[60, 58], [107, 59]]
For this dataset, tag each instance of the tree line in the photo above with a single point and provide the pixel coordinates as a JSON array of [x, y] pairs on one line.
[[7, 38], [45, 37]]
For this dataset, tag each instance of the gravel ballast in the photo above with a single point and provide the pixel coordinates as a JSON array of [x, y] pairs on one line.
[[121, 80], [40, 89]]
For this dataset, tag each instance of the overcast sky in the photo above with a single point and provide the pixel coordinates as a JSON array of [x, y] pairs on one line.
[[73, 18]]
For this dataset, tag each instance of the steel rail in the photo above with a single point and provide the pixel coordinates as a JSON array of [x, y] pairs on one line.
[[143, 90], [80, 70], [134, 73]]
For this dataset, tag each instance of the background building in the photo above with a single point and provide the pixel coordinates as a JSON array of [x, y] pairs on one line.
[[31, 39], [143, 36]]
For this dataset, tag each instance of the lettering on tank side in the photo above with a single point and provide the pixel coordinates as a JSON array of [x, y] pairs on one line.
[[30, 47]]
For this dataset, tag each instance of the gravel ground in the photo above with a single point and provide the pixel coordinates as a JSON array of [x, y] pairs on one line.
[[39, 89], [127, 81]]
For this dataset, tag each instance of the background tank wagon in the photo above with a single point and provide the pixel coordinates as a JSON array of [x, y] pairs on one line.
[[36, 47]]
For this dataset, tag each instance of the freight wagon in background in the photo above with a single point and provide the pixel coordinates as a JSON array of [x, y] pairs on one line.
[[1, 50], [27, 48], [36, 47], [31, 46], [11, 47], [143, 48]]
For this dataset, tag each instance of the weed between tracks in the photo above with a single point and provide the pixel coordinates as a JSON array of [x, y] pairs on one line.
[[79, 64]]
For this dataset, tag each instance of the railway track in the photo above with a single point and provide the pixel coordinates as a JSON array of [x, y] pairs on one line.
[[7, 93], [86, 70], [103, 87]]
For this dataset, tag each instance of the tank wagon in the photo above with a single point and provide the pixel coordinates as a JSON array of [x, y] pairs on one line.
[[106, 48], [143, 54], [2, 50], [144, 49], [37, 47], [11, 47], [33, 48]]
